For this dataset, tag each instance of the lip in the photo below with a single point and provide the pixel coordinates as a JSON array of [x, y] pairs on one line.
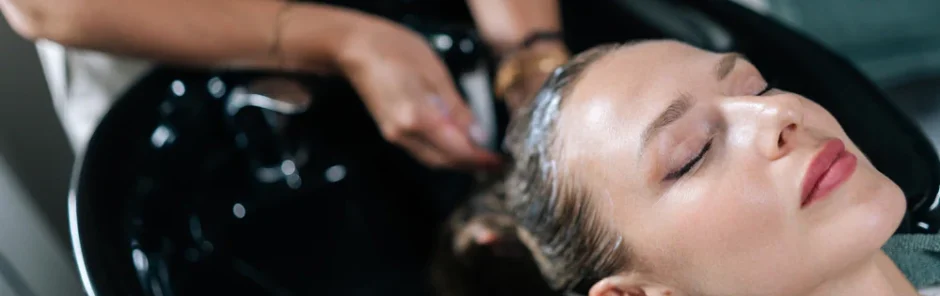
[[831, 167]]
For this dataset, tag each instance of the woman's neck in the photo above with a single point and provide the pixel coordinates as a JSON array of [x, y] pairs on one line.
[[876, 277]]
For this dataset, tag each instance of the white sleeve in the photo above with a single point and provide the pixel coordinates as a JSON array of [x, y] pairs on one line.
[[84, 84]]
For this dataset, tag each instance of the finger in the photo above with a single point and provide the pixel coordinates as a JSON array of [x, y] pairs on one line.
[[424, 152], [453, 103], [457, 114], [459, 150], [454, 107]]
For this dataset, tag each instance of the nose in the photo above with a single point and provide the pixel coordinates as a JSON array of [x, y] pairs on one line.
[[779, 120]]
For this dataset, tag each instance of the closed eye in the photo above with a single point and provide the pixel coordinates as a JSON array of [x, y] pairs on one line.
[[675, 175]]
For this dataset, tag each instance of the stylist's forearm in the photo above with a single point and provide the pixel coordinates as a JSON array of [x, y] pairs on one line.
[[506, 23], [214, 33]]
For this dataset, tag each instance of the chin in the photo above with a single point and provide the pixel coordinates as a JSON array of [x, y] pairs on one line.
[[862, 219], [884, 200], [881, 210], [895, 206]]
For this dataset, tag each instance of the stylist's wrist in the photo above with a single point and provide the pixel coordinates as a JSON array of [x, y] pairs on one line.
[[508, 45], [545, 46], [522, 72], [312, 38]]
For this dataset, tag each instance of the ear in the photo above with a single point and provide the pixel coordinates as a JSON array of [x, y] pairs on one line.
[[629, 285], [476, 232], [483, 234]]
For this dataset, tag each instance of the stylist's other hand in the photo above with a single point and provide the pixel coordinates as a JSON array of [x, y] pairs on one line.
[[525, 92], [532, 81], [411, 95]]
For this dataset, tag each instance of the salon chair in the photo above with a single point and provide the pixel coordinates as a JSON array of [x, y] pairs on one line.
[[249, 183]]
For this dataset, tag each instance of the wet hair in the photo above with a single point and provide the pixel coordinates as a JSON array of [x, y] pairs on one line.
[[555, 216], [464, 266]]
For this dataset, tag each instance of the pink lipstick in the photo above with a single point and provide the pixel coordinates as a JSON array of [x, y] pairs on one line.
[[831, 167]]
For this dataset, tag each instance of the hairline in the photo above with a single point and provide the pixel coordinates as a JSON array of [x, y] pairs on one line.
[[573, 198]]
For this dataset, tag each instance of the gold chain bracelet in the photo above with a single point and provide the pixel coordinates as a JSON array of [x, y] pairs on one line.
[[525, 63]]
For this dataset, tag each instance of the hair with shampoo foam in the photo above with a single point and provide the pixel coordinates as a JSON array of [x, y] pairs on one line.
[[555, 216]]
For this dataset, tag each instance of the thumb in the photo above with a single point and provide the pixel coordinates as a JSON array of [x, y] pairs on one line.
[[455, 110]]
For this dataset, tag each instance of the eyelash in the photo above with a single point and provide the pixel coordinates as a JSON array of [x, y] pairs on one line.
[[675, 175], [685, 169]]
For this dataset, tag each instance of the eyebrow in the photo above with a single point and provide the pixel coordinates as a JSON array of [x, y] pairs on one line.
[[678, 107], [726, 65], [683, 102]]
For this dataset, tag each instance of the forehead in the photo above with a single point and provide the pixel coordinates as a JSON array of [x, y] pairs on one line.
[[619, 94], [643, 69]]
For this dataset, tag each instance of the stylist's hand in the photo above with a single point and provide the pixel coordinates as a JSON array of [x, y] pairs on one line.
[[411, 95]]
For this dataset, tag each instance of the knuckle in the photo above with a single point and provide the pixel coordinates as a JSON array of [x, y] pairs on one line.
[[400, 127], [434, 161], [409, 124], [393, 134], [446, 163], [408, 121]]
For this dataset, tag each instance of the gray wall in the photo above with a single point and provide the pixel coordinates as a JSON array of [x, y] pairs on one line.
[[31, 137], [35, 164]]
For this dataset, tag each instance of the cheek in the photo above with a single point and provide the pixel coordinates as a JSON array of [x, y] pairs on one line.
[[723, 226], [734, 213]]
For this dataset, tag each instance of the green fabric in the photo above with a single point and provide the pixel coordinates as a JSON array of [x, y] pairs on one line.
[[918, 257], [887, 40]]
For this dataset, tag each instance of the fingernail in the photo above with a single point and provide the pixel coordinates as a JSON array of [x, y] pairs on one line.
[[478, 135]]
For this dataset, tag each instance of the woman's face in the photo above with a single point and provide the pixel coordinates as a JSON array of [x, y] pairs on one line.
[[706, 175]]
